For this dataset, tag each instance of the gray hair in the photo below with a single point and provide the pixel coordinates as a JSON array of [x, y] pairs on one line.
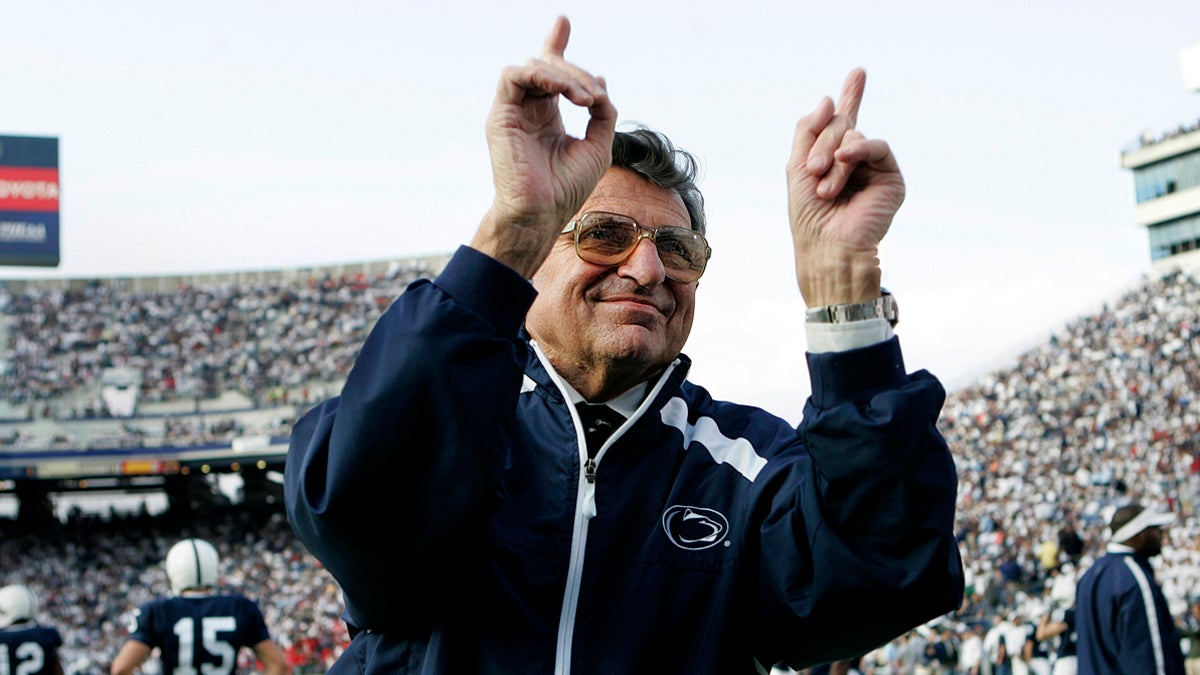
[[652, 156]]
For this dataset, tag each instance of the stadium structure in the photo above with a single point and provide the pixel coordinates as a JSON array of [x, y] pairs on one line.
[[169, 386], [1166, 171]]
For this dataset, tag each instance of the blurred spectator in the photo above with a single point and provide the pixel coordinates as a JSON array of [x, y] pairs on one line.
[[1059, 627], [996, 652], [970, 655], [1036, 650], [1189, 629]]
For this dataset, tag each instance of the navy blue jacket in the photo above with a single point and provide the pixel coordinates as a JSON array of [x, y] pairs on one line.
[[1122, 621], [444, 490]]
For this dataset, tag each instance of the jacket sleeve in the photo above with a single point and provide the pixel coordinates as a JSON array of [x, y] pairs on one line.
[[856, 519], [386, 483], [1142, 644]]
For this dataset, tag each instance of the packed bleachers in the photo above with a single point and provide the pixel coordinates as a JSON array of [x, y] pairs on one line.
[[1104, 412], [272, 342]]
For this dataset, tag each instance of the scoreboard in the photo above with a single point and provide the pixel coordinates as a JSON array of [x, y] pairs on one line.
[[29, 190]]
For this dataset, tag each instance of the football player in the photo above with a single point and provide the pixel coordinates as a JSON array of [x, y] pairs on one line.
[[26, 647], [198, 629]]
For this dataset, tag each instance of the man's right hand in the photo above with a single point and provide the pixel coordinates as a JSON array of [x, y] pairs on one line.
[[542, 175]]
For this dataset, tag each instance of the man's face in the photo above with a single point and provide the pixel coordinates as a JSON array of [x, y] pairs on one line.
[[623, 321], [1151, 543]]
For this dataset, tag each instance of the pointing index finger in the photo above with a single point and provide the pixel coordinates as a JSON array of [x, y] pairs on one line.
[[556, 41], [852, 93]]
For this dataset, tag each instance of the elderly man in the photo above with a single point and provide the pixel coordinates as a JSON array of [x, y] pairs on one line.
[[519, 478], [1123, 624]]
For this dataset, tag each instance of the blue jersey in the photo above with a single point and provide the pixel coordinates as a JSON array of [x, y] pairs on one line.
[[1041, 650], [1066, 639], [195, 631], [29, 651]]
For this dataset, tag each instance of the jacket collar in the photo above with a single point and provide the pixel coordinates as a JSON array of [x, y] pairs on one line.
[[538, 369], [1122, 549]]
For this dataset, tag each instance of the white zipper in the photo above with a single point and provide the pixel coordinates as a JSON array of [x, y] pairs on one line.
[[585, 509]]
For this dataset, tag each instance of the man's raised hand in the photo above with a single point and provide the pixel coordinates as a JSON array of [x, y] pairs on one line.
[[843, 191], [541, 174]]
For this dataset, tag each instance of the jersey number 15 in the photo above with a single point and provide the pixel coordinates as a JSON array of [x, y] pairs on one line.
[[185, 630]]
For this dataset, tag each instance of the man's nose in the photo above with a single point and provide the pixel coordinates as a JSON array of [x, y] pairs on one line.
[[643, 264]]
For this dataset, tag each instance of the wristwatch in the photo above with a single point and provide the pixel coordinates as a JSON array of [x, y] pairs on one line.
[[881, 307]]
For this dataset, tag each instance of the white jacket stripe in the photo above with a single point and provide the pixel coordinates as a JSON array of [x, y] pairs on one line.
[[1151, 613], [736, 452]]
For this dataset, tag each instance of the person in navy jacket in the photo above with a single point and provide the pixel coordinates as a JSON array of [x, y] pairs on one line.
[[518, 477], [1123, 624]]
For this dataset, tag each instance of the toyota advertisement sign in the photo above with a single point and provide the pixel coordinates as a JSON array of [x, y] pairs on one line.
[[29, 225]]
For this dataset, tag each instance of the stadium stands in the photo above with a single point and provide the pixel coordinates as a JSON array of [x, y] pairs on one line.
[[268, 340]]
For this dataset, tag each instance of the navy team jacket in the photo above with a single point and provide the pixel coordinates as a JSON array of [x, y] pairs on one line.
[[447, 491], [1123, 623]]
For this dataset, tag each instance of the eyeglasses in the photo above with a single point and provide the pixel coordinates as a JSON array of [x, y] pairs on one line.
[[609, 239]]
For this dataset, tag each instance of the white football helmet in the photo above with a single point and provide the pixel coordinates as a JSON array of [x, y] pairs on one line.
[[192, 563], [17, 604]]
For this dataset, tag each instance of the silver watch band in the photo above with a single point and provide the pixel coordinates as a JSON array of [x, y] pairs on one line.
[[883, 307]]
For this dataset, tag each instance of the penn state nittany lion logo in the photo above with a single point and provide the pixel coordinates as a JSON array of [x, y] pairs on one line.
[[694, 528]]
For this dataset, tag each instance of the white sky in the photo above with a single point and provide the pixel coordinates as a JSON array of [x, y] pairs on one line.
[[243, 135]]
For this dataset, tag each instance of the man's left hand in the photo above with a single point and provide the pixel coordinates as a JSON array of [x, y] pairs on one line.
[[843, 191]]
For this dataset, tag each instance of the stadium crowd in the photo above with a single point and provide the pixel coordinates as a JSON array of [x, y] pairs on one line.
[[1103, 413], [193, 342], [1100, 414]]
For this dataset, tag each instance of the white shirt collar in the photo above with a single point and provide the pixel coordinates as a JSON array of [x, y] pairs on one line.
[[626, 403]]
